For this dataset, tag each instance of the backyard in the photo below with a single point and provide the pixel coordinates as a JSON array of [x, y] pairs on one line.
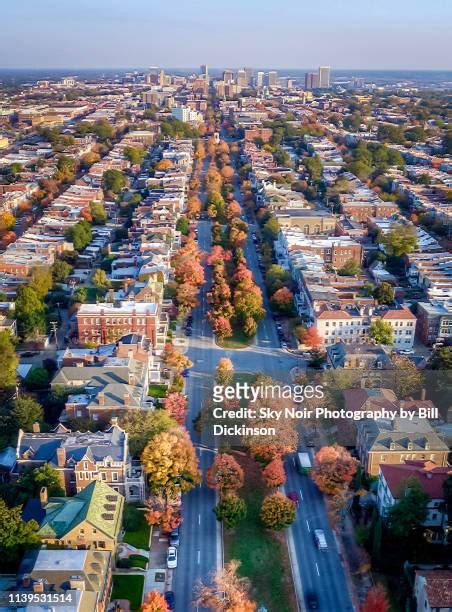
[[128, 586], [136, 527]]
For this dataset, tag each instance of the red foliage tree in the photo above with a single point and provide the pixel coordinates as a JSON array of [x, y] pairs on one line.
[[154, 602], [274, 474], [333, 469], [225, 474], [376, 600], [176, 405]]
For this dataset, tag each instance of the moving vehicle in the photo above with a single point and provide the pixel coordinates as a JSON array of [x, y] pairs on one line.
[[186, 373], [312, 600], [304, 463], [320, 539], [171, 557], [292, 495]]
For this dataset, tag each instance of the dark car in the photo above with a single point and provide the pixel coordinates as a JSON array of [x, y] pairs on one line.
[[312, 600], [170, 599], [174, 537], [186, 373], [188, 331], [30, 354], [293, 497]]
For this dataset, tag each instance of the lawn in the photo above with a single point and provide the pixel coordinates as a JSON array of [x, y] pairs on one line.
[[157, 391], [139, 537], [128, 586], [262, 553], [138, 561], [238, 340]]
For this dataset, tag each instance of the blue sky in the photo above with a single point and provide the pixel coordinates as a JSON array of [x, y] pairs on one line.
[[412, 34]]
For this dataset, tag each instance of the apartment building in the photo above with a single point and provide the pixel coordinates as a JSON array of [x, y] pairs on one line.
[[434, 321]]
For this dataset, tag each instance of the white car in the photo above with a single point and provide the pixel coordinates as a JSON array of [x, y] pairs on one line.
[[406, 352], [171, 557]]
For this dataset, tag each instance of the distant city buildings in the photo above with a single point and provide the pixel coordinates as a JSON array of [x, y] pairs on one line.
[[318, 80]]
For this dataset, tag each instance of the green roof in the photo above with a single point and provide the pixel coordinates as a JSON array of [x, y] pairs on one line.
[[97, 503]]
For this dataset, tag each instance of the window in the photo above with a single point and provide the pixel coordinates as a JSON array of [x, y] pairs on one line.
[[114, 476]]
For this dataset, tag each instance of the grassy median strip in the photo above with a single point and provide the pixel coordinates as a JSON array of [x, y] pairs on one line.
[[238, 340], [263, 554]]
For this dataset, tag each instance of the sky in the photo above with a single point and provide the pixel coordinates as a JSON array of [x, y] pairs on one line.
[[364, 34]]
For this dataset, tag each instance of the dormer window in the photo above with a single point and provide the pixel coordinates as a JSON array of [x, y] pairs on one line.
[[392, 446], [410, 446]]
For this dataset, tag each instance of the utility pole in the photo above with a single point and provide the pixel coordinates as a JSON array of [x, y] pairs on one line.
[[54, 327]]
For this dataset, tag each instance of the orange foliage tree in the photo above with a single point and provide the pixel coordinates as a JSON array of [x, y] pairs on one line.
[[376, 600], [226, 591], [225, 474], [333, 469], [154, 602], [176, 406], [274, 474]]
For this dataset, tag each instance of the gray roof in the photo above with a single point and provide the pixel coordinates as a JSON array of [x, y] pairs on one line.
[[400, 433], [371, 354]]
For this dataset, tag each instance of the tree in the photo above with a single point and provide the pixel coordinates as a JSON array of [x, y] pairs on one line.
[[384, 293], [308, 336], [164, 511], [143, 426], [26, 411], [400, 240], [7, 221], [186, 298], [224, 372], [80, 235], [99, 279], [98, 213], [276, 277], [282, 300], [376, 600], [408, 379], [8, 360], [442, 359], [333, 469], [33, 479], [249, 327], [154, 602], [174, 358], [114, 180], [16, 535], [221, 326], [135, 155], [80, 295], [40, 280], [164, 164], [230, 510], [274, 474], [314, 167], [381, 331], [225, 474], [270, 230], [193, 206], [60, 271], [350, 268], [176, 406], [225, 591], [183, 225], [405, 518], [37, 378], [277, 511], [29, 311], [170, 462]]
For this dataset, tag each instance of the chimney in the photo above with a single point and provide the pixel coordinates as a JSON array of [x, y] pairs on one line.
[[423, 394], [61, 456], [126, 399], [36, 427], [101, 398], [38, 586], [114, 421], [44, 496]]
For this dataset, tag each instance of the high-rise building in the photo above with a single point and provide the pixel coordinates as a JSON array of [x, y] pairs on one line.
[[228, 76], [272, 79], [260, 79], [249, 75], [311, 80], [241, 78], [205, 71], [324, 76]]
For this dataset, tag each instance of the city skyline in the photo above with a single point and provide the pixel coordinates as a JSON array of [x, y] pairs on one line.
[[263, 35]]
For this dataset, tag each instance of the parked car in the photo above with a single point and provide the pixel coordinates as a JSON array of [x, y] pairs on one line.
[[188, 331], [312, 600], [292, 495], [174, 537], [170, 599], [29, 354], [186, 373], [406, 352], [171, 557]]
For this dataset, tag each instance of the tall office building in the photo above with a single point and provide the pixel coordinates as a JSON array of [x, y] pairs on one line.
[[205, 72], [272, 79], [260, 80], [311, 80], [241, 78], [228, 76], [249, 75], [324, 76]]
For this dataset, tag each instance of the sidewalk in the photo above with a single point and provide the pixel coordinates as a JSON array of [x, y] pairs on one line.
[[158, 577]]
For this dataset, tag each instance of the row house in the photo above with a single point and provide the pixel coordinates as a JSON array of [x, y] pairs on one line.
[[434, 321]]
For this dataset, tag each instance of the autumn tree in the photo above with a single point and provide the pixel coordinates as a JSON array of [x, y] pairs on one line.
[[218, 255], [194, 206], [225, 591], [186, 298], [164, 511], [170, 462], [174, 358], [225, 474], [230, 510], [233, 210], [308, 336], [154, 602], [224, 372], [176, 405], [274, 474], [143, 426], [265, 448], [277, 511], [164, 164], [221, 326], [282, 300], [406, 377], [376, 600], [333, 469], [99, 279]]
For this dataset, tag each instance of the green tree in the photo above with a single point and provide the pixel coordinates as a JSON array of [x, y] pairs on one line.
[[359, 169], [40, 281], [26, 411], [314, 167], [80, 235], [37, 378], [103, 130], [381, 332], [276, 277], [114, 180], [99, 279], [135, 155], [277, 512], [270, 230], [16, 535], [29, 312], [32, 480], [60, 271], [407, 378], [80, 295], [405, 518], [143, 426], [400, 240], [98, 213], [8, 360], [384, 293], [183, 225], [350, 268], [230, 510], [442, 359], [16, 168]]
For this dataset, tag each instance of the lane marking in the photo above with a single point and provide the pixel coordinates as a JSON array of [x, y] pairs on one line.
[[199, 559], [307, 524], [293, 461], [317, 568], [301, 495], [199, 519]]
